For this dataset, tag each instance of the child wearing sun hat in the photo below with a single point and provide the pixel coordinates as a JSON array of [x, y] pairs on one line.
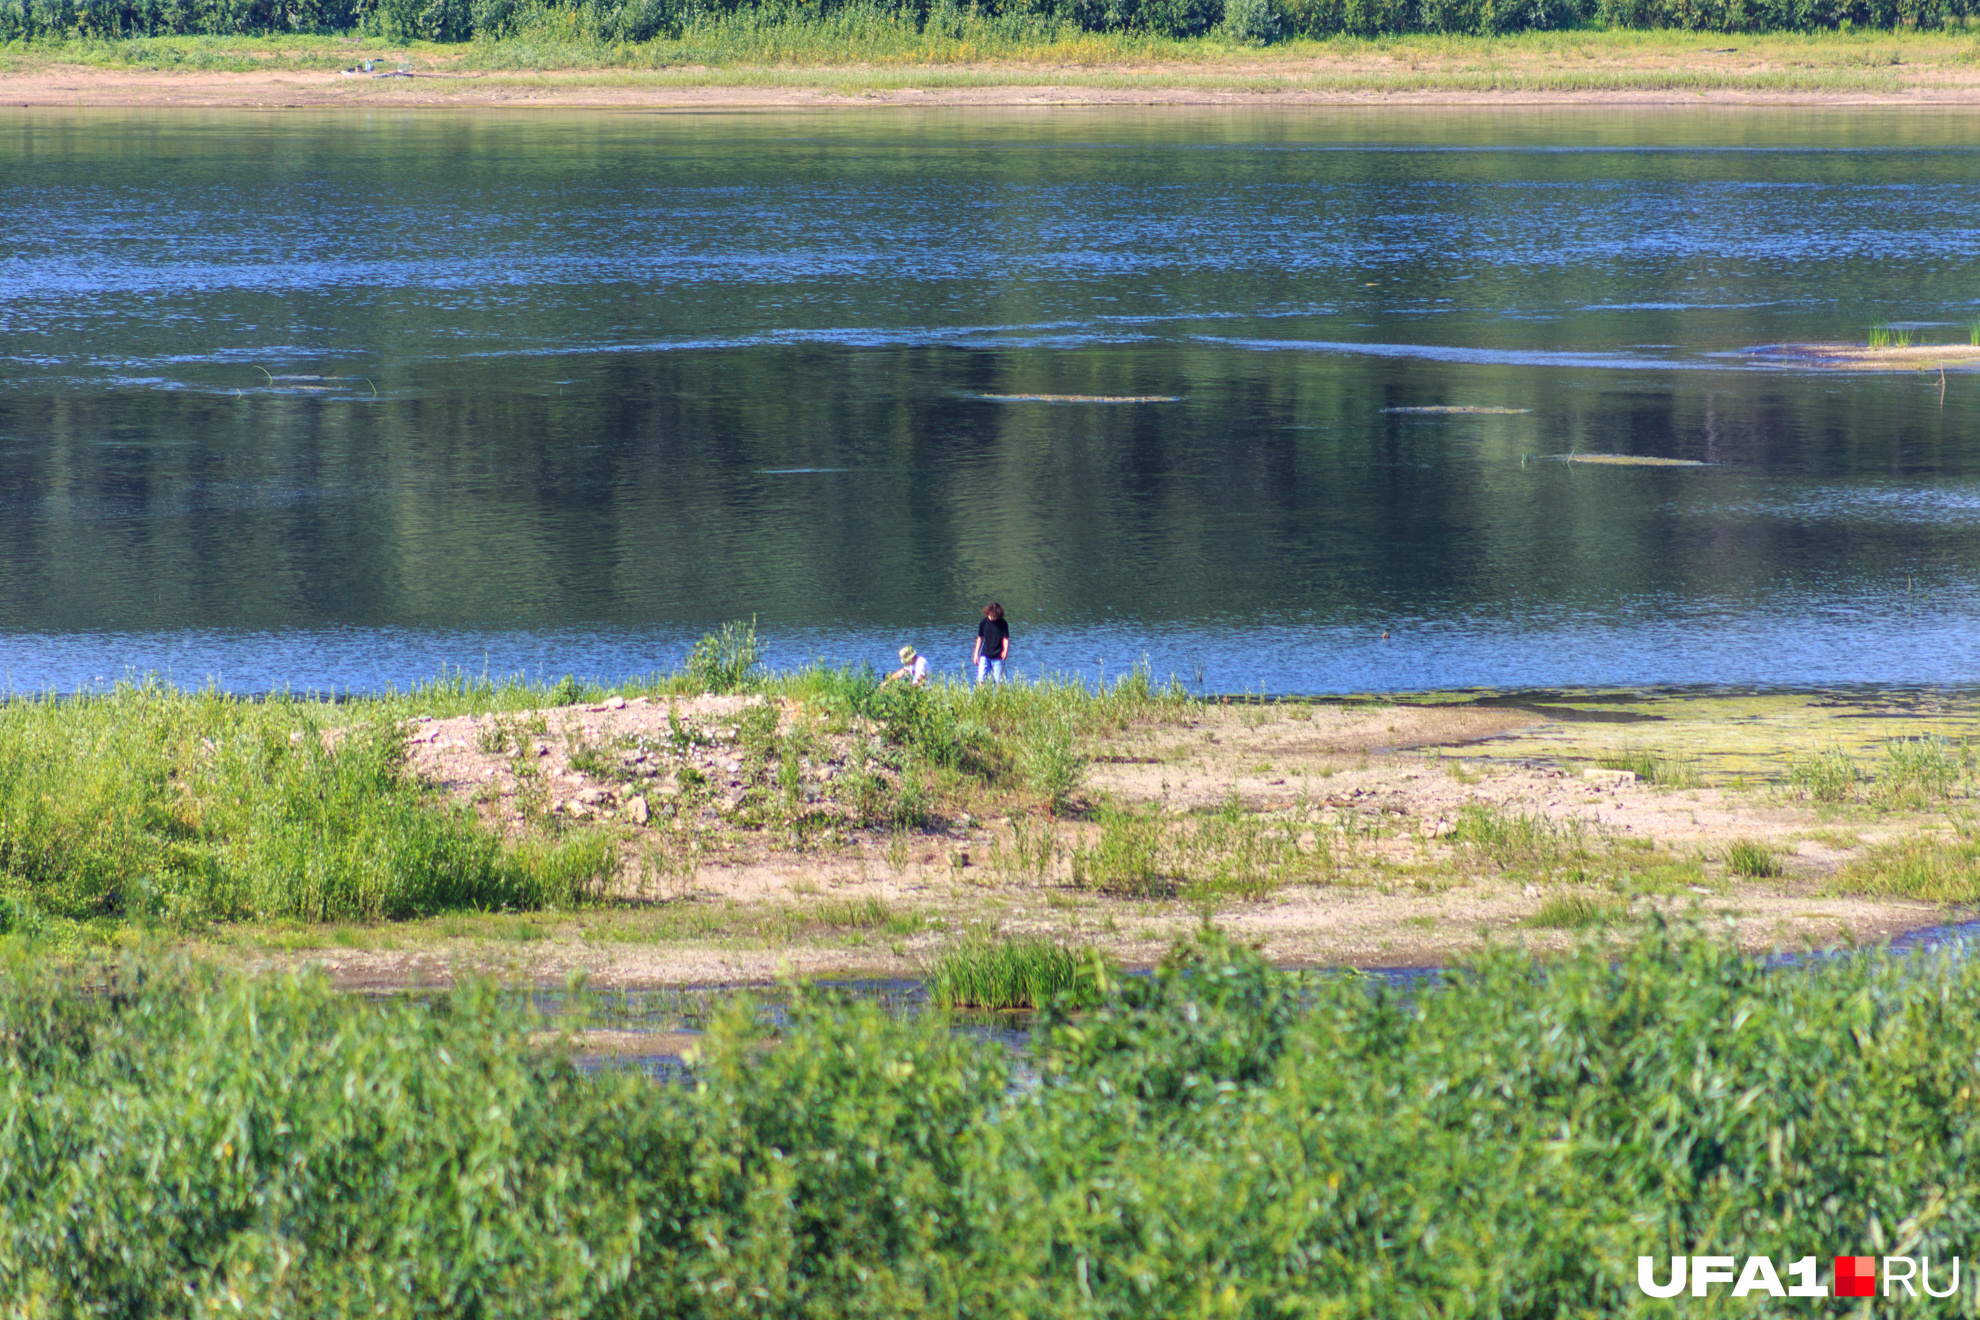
[[914, 668]]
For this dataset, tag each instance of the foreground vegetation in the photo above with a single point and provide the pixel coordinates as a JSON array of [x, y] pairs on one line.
[[1219, 1139]]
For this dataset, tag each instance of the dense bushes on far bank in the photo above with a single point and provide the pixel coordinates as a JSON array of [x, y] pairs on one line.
[[1220, 1139], [989, 24]]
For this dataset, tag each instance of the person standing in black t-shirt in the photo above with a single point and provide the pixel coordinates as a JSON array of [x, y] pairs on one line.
[[993, 644]]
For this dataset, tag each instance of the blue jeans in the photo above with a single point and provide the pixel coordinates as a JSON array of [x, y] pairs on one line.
[[994, 668]]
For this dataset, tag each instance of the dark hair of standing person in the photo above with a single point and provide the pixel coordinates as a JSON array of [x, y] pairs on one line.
[[994, 610]]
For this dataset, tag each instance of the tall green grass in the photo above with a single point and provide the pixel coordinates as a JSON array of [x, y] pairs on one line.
[[1227, 853], [1009, 974], [150, 802], [1577, 912], [1885, 335], [1666, 771], [1914, 772], [1934, 869], [1215, 1139]]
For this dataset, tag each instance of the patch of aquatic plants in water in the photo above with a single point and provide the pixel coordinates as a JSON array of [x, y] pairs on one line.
[[1885, 335], [1505, 1141], [153, 803], [1012, 974]]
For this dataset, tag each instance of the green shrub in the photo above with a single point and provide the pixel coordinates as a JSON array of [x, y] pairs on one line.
[[1052, 764], [726, 661], [1918, 771], [1216, 1138], [209, 1142], [1829, 776], [1252, 22]]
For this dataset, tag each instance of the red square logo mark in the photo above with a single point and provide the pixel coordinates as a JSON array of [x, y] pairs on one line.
[[1856, 1276]]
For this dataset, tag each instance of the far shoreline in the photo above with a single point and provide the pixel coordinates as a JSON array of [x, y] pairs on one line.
[[84, 88], [706, 71]]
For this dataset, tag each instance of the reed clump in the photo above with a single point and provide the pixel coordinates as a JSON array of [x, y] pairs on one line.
[[1885, 335], [1925, 771], [1010, 973]]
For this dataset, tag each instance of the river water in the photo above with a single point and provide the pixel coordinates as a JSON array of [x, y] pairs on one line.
[[333, 399]]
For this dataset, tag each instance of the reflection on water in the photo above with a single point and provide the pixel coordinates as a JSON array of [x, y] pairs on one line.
[[335, 401]]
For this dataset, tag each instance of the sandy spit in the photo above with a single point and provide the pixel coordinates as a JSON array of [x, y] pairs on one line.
[[79, 86]]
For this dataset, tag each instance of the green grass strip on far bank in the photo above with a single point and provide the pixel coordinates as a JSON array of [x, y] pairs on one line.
[[857, 49]]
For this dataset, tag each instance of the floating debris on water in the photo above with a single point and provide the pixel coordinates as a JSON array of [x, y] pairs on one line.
[[1462, 409], [1626, 460], [1077, 398], [1862, 357], [359, 387]]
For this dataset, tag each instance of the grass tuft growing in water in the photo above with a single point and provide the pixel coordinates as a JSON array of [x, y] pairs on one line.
[[1885, 335], [1009, 974]]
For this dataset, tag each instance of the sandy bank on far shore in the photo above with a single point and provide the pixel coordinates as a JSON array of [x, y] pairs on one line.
[[1332, 82]]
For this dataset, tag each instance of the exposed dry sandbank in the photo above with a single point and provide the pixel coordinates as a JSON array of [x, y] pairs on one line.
[[996, 85]]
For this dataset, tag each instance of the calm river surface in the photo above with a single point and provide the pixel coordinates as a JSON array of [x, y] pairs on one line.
[[333, 399]]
